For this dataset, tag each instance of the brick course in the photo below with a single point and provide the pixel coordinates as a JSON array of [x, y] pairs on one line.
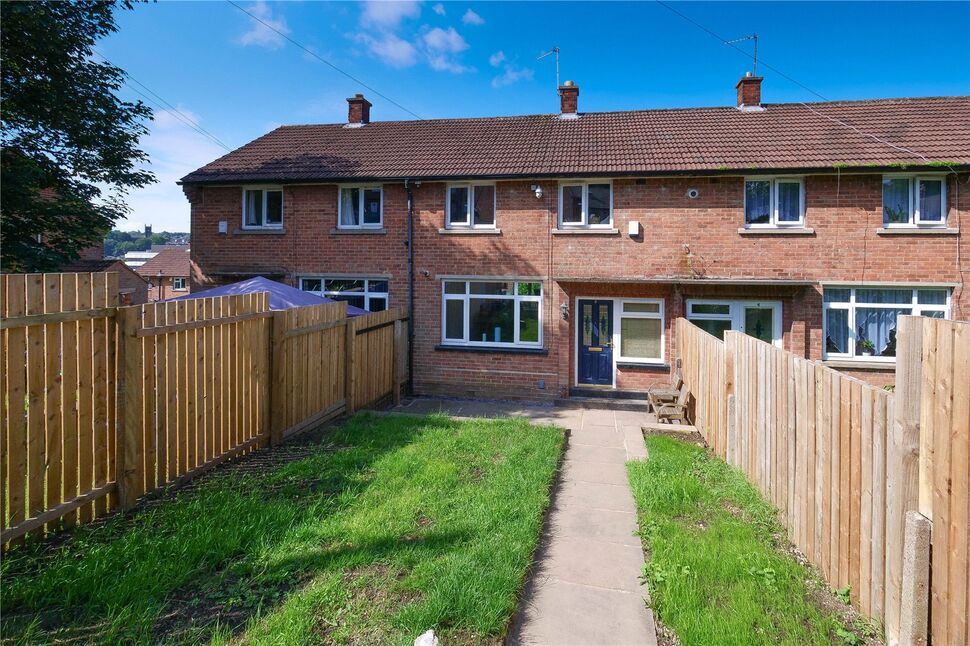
[[682, 238]]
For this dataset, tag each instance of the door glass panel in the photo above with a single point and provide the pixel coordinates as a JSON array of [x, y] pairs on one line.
[[587, 324], [758, 323], [604, 328]]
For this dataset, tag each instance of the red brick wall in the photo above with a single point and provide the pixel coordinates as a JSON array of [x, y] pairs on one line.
[[682, 237]]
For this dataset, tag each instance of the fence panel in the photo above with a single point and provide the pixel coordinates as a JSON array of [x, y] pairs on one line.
[[58, 413], [375, 358]]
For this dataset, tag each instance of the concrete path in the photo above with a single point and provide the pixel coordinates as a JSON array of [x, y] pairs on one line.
[[585, 587]]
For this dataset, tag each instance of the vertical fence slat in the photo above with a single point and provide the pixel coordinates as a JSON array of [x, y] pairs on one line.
[[17, 395], [55, 442], [941, 406]]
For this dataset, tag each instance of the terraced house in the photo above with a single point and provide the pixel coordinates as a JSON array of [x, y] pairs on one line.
[[548, 255]]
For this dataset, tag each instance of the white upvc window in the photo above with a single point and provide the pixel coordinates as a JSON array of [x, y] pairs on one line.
[[470, 206], [641, 330], [262, 207], [586, 203], [760, 319], [360, 207], [860, 322], [914, 201], [366, 293], [774, 202], [179, 284], [491, 313]]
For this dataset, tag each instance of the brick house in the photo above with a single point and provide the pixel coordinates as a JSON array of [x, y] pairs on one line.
[[167, 273], [546, 255]]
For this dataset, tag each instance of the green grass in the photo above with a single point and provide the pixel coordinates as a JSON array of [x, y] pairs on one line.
[[387, 527], [716, 566]]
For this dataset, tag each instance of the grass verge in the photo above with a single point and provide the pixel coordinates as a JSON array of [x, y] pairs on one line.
[[718, 567], [383, 528]]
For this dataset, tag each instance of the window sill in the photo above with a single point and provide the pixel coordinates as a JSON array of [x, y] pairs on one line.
[[362, 231], [471, 232], [776, 231], [653, 365], [259, 232], [477, 348], [917, 231], [861, 364], [579, 231]]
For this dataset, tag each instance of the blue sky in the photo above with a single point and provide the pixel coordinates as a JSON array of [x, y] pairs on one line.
[[238, 79]]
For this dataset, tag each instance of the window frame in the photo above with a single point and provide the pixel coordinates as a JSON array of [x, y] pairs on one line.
[[368, 293], [466, 319], [735, 315], [265, 188], [619, 315], [852, 305], [470, 213], [773, 215], [585, 183], [183, 279], [915, 219], [362, 188]]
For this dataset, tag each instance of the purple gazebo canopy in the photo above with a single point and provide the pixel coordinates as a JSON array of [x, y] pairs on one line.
[[281, 297]]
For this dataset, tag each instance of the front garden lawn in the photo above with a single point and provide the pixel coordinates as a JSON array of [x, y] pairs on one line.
[[377, 531], [718, 566]]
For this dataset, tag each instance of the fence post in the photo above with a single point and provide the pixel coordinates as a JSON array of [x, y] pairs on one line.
[[276, 420], [902, 468], [397, 361], [349, 343], [128, 453], [915, 597]]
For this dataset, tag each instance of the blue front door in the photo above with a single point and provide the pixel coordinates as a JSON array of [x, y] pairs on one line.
[[595, 342]]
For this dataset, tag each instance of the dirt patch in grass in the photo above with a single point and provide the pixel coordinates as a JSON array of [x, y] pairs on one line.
[[691, 437]]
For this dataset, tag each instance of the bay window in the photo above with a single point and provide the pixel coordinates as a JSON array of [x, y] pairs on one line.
[[860, 322], [470, 205], [263, 207], [774, 202], [641, 331], [491, 313], [360, 207], [913, 200], [585, 204], [366, 293]]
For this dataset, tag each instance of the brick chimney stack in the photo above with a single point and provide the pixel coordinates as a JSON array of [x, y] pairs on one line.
[[358, 110], [749, 92], [568, 100]]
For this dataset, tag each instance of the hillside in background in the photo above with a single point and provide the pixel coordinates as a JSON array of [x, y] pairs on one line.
[[118, 243]]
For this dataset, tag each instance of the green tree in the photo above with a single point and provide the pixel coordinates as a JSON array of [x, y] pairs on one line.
[[70, 145]]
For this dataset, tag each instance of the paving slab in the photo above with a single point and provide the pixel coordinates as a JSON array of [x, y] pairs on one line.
[[591, 453], [593, 472], [597, 495]]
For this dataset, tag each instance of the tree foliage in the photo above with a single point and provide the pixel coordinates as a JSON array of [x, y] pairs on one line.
[[70, 145]]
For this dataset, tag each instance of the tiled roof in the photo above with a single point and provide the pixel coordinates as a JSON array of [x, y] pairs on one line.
[[783, 136], [168, 262]]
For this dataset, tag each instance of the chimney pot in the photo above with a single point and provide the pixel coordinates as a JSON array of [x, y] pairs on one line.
[[568, 99], [358, 110], [749, 91]]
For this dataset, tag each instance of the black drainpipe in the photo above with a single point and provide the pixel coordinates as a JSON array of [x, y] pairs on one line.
[[407, 187]]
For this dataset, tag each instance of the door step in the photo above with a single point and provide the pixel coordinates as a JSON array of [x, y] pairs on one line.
[[606, 403], [607, 393]]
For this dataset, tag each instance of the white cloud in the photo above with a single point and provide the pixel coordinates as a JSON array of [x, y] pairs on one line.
[[512, 74], [262, 35], [472, 18], [175, 149], [388, 14], [439, 9], [442, 48], [496, 59], [390, 48]]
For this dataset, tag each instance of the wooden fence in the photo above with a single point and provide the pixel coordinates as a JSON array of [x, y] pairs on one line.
[[845, 461], [103, 403]]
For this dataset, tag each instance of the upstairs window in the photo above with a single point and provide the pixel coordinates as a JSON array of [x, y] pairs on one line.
[[585, 204], [360, 207], [470, 205], [178, 284], [909, 201], [774, 202], [263, 208], [860, 322]]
